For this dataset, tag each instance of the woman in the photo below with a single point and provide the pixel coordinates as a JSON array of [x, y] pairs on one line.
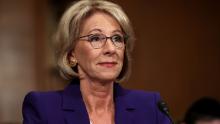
[[94, 40]]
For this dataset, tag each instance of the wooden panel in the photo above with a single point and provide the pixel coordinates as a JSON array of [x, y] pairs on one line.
[[17, 57], [177, 51]]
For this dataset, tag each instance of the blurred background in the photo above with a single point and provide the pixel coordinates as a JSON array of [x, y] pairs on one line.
[[177, 51]]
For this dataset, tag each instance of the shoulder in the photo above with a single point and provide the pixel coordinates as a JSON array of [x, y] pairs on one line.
[[145, 104], [144, 96], [42, 101], [137, 97], [43, 96], [38, 107]]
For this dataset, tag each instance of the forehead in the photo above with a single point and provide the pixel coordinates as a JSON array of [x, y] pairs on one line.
[[100, 20]]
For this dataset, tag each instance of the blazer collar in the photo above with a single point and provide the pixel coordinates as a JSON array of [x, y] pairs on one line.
[[75, 109], [72, 97]]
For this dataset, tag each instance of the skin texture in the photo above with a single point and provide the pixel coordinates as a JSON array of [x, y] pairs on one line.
[[99, 68]]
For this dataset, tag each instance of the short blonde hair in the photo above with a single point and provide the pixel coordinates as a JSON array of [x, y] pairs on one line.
[[69, 29]]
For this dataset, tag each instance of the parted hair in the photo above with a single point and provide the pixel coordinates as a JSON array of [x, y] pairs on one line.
[[68, 32]]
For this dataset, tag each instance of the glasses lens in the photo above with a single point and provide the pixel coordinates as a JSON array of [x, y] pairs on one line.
[[118, 40], [96, 40]]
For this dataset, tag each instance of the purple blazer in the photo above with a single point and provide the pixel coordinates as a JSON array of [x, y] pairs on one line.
[[67, 107]]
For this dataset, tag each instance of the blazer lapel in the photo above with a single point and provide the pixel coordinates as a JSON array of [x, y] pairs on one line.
[[73, 105], [124, 110], [75, 111]]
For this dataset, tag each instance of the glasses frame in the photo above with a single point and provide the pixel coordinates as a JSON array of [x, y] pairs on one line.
[[105, 38]]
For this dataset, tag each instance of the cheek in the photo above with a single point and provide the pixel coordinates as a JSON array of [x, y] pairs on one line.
[[84, 53], [122, 55], [80, 52]]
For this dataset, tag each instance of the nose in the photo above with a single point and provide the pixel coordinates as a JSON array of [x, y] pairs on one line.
[[109, 47]]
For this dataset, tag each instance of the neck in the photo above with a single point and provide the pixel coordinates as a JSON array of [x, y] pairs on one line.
[[98, 97]]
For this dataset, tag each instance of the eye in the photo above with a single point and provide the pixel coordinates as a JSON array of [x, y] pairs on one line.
[[117, 38], [95, 38]]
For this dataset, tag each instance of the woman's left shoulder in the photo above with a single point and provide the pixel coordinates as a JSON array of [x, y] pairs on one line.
[[141, 95]]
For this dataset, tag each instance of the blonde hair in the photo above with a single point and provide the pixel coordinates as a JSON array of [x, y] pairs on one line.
[[69, 29]]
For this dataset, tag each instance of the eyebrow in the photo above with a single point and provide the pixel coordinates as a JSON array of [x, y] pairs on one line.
[[96, 29], [115, 31], [99, 30]]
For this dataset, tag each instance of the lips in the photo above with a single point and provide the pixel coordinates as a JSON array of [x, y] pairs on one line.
[[107, 64]]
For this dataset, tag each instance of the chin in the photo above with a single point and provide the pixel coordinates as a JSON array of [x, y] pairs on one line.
[[108, 77]]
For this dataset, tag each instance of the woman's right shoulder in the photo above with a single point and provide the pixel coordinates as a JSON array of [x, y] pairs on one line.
[[37, 97], [44, 93], [39, 105]]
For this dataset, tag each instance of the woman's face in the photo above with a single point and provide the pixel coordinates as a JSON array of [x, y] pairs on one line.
[[99, 64]]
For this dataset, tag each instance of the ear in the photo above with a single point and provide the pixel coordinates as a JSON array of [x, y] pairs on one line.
[[71, 56], [72, 59]]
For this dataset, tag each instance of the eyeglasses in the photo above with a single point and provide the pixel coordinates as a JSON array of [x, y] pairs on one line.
[[97, 41]]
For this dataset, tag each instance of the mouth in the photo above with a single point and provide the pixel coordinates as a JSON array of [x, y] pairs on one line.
[[107, 64]]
